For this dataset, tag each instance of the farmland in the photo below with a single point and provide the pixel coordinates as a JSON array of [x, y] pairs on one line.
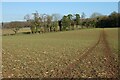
[[82, 53]]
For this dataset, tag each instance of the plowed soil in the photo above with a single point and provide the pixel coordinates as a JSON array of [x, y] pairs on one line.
[[95, 62]]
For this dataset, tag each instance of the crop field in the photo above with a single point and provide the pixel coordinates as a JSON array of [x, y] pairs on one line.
[[10, 31], [86, 53], [113, 38]]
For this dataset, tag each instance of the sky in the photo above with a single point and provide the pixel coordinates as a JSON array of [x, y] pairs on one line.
[[15, 11], [60, 0]]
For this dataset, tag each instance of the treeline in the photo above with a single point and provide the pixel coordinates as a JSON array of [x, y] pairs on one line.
[[41, 23], [110, 21]]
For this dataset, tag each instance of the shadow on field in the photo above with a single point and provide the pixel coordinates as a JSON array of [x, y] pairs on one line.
[[26, 32], [8, 34]]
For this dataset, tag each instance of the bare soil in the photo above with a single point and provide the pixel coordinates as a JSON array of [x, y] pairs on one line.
[[95, 62]]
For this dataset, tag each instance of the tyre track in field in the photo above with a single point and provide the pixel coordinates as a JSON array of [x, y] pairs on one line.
[[86, 52], [110, 57], [109, 63]]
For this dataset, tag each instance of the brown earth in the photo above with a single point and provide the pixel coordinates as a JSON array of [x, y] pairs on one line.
[[97, 61]]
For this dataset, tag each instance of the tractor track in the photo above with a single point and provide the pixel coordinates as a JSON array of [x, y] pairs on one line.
[[110, 57], [110, 66]]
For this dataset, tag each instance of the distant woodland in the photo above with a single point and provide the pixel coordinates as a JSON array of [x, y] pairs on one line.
[[41, 23]]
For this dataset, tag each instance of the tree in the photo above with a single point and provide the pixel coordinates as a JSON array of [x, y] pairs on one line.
[[55, 18], [15, 26], [34, 22], [49, 22], [27, 17], [72, 24], [70, 21], [83, 15], [77, 20], [44, 20], [82, 18], [55, 25], [60, 25], [113, 18], [65, 23], [2, 25], [95, 14], [30, 23]]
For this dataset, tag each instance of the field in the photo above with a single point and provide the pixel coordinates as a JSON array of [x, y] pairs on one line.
[[10, 31], [81, 53]]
